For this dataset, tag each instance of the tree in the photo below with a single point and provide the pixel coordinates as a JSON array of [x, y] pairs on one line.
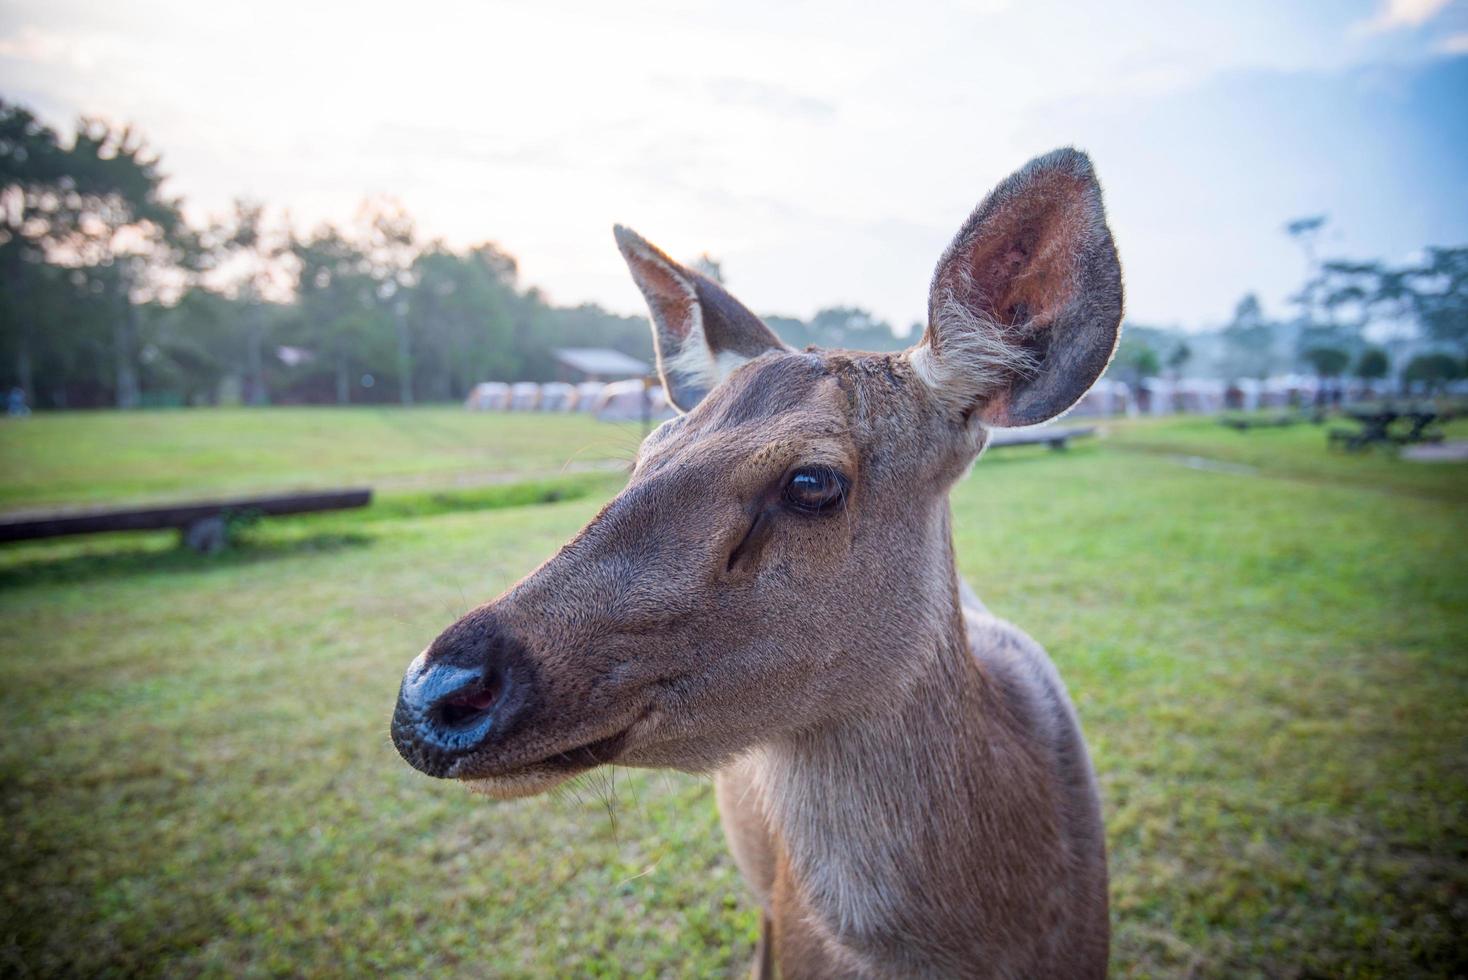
[[1428, 299], [463, 310], [1433, 371], [1305, 231], [1249, 340], [247, 256], [1135, 361], [114, 225], [343, 322], [1440, 296], [1178, 357], [390, 246], [791, 330], [539, 328], [849, 327], [188, 348], [708, 266], [1328, 362], [31, 175], [1373, 364], [1367, 295]]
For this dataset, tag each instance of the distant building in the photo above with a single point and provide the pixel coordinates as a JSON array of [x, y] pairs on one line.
[[597, 364]]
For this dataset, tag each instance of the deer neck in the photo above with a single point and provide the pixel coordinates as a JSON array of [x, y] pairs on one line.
[[893, 822]]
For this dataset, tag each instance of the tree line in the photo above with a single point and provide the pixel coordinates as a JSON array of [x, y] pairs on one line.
[[1400, 325], [111, 297]]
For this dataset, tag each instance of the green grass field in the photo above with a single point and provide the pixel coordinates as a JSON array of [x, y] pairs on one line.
[[100, 457], [1266, 645]]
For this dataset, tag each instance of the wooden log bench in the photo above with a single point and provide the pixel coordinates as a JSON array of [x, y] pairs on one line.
[[204, 524], [1055, 437]]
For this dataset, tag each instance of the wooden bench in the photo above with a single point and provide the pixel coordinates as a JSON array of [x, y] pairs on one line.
[[204, 524], [1054, 436]]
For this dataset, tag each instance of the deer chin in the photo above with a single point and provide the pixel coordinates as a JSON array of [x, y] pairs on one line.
[[533, 778], [531, 782]]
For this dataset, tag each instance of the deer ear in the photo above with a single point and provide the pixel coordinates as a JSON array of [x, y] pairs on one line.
[[701, 332], [1025, 307]]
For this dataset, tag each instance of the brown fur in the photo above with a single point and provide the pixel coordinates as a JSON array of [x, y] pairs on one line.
[[901, 775]]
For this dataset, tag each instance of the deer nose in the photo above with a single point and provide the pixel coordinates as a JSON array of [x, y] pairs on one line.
[[458, 697]]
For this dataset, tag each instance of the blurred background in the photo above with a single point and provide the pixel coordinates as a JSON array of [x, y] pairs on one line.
[[313, 335]]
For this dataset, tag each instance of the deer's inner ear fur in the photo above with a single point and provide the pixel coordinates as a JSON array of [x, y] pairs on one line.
[[1025, 307], [702, 334]]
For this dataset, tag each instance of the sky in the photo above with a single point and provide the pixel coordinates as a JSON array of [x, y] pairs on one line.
[[824, 152]]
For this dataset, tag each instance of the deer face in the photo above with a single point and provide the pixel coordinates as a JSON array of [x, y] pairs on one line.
[[779, 544]]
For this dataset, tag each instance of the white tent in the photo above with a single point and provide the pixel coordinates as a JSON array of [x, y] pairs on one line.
[[1286, 390], [622, 401], [488, 396], [524, 396], [1201, 395], [587, 394], [557, 396], [1156, 394], [1244, 393], [1106, 398]]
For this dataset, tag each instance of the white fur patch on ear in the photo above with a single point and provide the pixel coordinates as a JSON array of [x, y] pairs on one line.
[[702, 334], [698, 366], [976, 359], [692, 360]]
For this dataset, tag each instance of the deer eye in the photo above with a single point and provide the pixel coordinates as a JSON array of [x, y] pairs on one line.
[[813, 489]]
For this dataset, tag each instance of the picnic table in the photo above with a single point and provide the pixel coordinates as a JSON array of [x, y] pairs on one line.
[[1388, 427]]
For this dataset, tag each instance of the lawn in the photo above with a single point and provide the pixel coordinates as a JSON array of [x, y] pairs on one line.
[[1265, 644], [1294, 452], [99, 457]]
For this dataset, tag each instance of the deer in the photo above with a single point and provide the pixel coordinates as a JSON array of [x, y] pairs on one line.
[[773, 599]]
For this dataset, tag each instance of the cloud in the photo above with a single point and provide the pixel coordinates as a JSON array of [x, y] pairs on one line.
[[833, 167], [1396, 14], [46, 48], [772, 98], [1198, 183], [1453, 44]]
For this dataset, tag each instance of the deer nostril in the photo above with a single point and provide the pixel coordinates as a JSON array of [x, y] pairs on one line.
[[461, 696], [467, 706]]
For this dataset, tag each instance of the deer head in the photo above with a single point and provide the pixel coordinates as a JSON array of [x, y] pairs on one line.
[[781, 543]]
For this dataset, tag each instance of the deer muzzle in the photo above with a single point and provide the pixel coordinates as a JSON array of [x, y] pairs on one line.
[[461, 698]]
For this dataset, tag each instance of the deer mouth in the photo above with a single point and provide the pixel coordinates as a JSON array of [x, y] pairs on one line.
[[530, 778], [492, 727]]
